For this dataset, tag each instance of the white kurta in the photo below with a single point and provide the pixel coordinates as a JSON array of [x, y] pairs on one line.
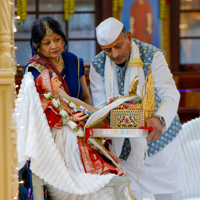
[[167, 164]]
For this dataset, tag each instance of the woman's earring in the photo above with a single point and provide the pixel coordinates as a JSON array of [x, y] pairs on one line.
[[38, 50]]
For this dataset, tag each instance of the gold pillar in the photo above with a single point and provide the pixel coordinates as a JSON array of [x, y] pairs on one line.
[[8, 161]]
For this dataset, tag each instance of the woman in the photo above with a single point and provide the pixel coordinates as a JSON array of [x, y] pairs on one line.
[[67, 122], [48, 42]]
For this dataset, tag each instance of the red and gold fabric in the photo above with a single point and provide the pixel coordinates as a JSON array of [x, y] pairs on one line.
[[92, 161]]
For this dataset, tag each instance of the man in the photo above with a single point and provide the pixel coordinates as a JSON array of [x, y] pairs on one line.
[[163, 173]]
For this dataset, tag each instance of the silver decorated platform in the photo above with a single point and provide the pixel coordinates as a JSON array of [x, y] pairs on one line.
[[126, 133]]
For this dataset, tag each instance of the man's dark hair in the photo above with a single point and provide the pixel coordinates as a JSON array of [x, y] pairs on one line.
[[124, 31], [38, 31]]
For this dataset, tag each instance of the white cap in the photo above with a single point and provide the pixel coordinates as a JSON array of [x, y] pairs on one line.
[[108, 31]]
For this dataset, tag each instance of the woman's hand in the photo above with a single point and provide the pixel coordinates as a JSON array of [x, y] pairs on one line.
[[62, 93], [78, 102], [79, 116]]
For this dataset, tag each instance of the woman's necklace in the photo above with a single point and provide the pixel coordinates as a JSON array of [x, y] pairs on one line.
[[59, 61]]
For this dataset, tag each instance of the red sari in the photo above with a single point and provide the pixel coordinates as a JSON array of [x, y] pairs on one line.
[[92, 161]]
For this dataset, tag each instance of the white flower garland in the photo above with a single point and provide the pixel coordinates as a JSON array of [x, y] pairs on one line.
[[73, 126], [111, 99], [71, 105], [48, 96], [63, 113], [56, 103]]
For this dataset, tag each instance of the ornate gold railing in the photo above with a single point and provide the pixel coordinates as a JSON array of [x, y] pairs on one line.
[[8, 152]]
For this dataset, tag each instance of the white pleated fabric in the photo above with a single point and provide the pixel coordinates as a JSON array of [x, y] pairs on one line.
[[190, 143], [189, 138], [106, 193], [35, 141]]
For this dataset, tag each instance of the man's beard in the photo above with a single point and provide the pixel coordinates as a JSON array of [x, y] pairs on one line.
[[122, 64]]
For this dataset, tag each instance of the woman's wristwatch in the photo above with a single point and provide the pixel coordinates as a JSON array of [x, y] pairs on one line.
[[162, 120]]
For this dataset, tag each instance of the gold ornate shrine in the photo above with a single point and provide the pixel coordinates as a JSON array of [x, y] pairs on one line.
[[127, 119], [134, 114]]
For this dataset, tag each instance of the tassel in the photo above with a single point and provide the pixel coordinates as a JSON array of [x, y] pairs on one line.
[[87, 132], [106, 127], [150, 128]]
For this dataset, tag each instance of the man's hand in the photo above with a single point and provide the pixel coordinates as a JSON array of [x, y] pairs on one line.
[[158, 128]]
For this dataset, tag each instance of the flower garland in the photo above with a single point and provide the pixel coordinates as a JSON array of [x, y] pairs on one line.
[[56, 103], [21, 10], [162, 9], [68, 8], [112, 99], [117, 4], [24, 9]]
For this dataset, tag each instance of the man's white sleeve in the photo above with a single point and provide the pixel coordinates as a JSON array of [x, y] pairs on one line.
[[97, 88], [166, 88]]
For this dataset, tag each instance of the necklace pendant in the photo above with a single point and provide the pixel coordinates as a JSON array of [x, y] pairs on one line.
[[59, 61]]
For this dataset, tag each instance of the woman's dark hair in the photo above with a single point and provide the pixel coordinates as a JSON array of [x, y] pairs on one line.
[[51, 73], [38, 31]]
